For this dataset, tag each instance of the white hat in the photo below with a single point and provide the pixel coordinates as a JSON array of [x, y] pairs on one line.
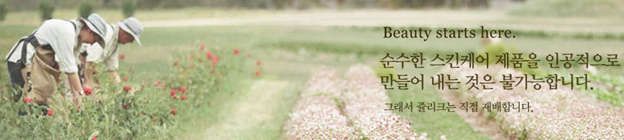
[[132, 26], [97, 24]]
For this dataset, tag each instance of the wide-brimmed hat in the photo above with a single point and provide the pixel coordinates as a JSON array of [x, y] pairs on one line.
[[132, 26], [97, 24]]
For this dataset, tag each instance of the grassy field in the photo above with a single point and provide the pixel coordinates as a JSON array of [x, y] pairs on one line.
[[571, 8], [32, 17], [258, 107]]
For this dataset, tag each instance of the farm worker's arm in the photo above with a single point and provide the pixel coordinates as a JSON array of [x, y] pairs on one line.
[[74, 82], [64, 49], [112, 64]]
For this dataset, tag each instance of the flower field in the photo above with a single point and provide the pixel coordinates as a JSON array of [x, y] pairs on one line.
[[610, 88], [353, 108], [146, 109], [266, 75], [554, 114]]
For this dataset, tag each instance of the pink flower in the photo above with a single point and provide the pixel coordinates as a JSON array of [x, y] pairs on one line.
[[27, 100], [127, 88], [236, 51], [172, 93], [208, 55], [88, 91], [182, 89], [215, 59], [156, 83]]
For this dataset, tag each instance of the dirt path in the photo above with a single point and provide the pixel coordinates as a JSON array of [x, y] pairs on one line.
[[251, 111], [478, 122]]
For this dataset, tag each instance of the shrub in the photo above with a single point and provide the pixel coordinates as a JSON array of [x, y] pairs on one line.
[[46, 9], [85, 9], [128, 7], [3, 11]]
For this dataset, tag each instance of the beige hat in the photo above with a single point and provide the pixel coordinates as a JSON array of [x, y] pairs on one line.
[[97, 24], [132, 26]]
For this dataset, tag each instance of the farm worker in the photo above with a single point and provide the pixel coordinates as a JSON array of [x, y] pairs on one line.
[[123, 32], [36, 61]]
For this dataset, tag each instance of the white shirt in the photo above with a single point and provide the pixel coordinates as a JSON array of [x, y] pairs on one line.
[[109, 54], [16, 52], [62, 37]]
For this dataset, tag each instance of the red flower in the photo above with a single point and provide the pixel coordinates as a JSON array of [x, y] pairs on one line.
[[183, 97], [257, 73], [27, 100], [172, 93], [174, 111], [125, 79], [88, 91], [236, 51], [182, 89], [258, 62], [208, 55], [156, 83], [127, 88], [94, 138], [121, 56], [215, 59], [174, 97], [201, 47], [50, 112]]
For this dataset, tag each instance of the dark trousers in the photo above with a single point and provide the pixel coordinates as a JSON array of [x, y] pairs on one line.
[[17, 80]]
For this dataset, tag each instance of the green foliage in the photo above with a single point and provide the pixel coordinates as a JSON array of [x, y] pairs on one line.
[[3, 11], [46, 10], [493, 50], [128, 7], [380, 70], [85, 9], [149, 110], [606, 87], [434, 3], [571, 8]]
